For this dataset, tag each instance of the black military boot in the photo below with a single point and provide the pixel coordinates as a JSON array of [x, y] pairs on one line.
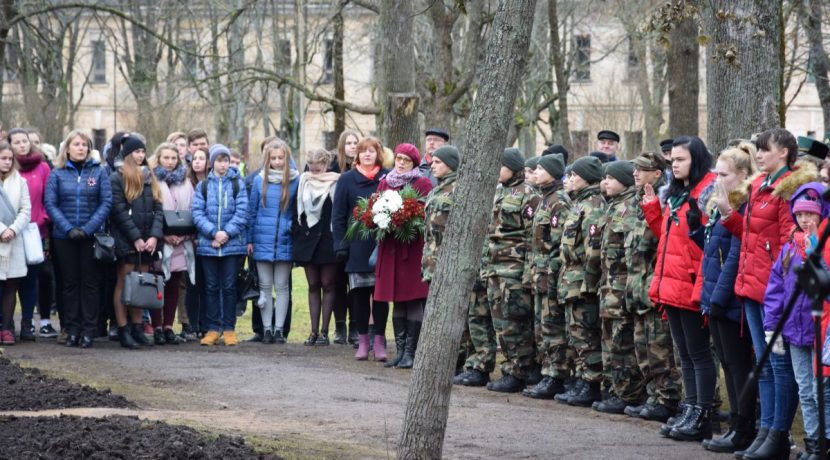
[[634, 410], [535, 375], [340, 332], [777, 445], [352, 337], [588, 393], [507, 384], [399, 329], [126, 338], [471, 378], [760, 437], [138, 335], [679, 419], [575, 387], [413, 333], [697, 427], [546, 389], [612, 405], [739, 437], [810, 449], [656, 412]]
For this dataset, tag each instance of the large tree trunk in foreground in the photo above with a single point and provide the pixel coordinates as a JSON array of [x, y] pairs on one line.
[[743, 69], [427, 405], [400, 112], [683, 78]]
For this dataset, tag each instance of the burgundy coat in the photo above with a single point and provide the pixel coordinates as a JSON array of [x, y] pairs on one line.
[[398, 269]]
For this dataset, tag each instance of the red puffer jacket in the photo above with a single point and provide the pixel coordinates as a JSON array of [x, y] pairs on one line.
[[766, 225], [678, 257]]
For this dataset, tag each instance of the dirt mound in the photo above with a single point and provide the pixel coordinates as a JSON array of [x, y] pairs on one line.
[[29, 389], [69, 437]]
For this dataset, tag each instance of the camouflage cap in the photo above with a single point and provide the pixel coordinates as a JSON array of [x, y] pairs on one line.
[[650, 161]]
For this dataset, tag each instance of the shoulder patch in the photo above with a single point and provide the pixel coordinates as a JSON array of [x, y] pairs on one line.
[[592, 230]]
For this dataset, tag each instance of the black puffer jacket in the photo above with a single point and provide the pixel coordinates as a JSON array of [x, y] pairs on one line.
[[141, 219]]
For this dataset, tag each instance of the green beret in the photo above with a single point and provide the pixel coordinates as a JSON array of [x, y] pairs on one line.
[[553, 164], [513, 159], [449, 155], [623, 171], [588, 168]]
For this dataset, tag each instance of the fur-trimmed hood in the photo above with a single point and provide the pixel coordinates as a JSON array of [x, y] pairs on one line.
[[803, 172]]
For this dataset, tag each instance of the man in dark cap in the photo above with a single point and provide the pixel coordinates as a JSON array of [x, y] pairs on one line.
[[665, 147], [434, 138], [812, 150], [608, 142]]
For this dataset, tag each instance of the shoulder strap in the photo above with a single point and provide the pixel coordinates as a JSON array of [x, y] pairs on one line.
[[234, 184]]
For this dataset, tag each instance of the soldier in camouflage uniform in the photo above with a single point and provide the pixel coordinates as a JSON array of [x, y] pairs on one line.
[[619, 361], [538, 356], [652, 340], [551, 337], [445, 161], [579, 279], [508, 286]]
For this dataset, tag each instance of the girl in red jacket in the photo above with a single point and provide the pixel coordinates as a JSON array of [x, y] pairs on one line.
[[766, 225], [676, 270]]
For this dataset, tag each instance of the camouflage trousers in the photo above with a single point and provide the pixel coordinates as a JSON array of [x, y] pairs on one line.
[[540, 305], [482, 353], [466, 348], [655, 355], [619, 361], [556, 357], [512, 309], [584, 337]]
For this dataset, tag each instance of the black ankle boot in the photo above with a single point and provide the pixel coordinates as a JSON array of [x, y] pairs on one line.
[[340, 332], [413, 333], [399, 329], [588, 393], [138, 335], [697, 427], [353, 334], [810, 449], [739, 437], [575, 387], [777, 445], [684, 411], [126, 338], [760, 437]]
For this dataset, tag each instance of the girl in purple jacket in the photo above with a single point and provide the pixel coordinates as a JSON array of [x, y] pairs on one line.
[[797, 338]]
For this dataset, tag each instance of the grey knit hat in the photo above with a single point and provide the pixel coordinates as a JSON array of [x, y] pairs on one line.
[[553, 164], [623, 171], [513, 159], [449, 155], [588, 168]]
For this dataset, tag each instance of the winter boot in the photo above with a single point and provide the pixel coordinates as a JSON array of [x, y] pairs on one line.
[[507, 384], [471, 378], [139, 336], [340, 332], [563, 397], [362, 347], [380, 348], [738, 437], [810, 449], [413, 333], [126, 338], [760, 437], [612, 405], [677, 420], [546, 389], [27, 331], [353, 334], [697, 426], [399, 328], [776, 446], [534, 376], [588, 393]]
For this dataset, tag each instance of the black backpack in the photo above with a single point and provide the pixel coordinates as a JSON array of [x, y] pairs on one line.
[[235, 186]]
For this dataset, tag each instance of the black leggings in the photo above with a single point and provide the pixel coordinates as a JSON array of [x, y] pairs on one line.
[[412, 310], [735, 355], [691, 337], [322, 283], [9, 300], [361, 307]]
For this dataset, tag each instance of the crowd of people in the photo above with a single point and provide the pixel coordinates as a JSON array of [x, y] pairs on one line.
[[611, 284]]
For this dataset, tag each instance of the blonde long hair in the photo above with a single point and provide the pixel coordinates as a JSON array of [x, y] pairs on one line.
[[133, 175], [741, 157], [62, 158], [277, 144]]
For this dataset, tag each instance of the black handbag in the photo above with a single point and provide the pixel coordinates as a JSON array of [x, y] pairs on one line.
[[143, 289], [178, 223], [103, 245], [247, 285]]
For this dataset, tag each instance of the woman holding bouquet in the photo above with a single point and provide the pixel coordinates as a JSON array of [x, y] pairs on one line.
[[399, 262], [360, 182]]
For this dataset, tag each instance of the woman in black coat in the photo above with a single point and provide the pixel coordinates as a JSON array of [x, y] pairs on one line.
[[137, 222]]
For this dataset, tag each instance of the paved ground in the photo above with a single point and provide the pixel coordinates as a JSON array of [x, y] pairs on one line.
[[318, 402]]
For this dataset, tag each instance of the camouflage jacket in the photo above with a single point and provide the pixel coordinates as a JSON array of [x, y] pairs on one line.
[[620, 220], [640, 255], [581, 243], [437, 212], [509, 234], [547, 232]]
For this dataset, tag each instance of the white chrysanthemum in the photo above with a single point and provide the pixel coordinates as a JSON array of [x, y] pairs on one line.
[[382, 221], [395, 202]]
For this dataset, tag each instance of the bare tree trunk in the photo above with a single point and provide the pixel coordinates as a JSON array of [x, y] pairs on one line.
[[8, 12], [683, 81], [400, 113], [339, 79], [427, 405], [741, 98], [818, 57], [557, 56]]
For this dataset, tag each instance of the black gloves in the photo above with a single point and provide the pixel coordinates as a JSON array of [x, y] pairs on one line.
[[693, 216], [341, 255], [76, 234]]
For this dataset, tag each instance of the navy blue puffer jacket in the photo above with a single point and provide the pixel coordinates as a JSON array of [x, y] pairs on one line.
[[721, 253], [78, 198]]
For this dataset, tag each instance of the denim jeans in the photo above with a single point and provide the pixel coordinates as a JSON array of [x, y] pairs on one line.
[[826, 392], [802, 358], [777, 389], [220, 283]]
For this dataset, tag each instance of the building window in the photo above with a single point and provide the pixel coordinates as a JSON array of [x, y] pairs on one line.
[[328, 61], [632, 66], [99, 62], [579, 139], [633, 143], [582, 58], [99, 139], [188, 58], [284, 52]]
